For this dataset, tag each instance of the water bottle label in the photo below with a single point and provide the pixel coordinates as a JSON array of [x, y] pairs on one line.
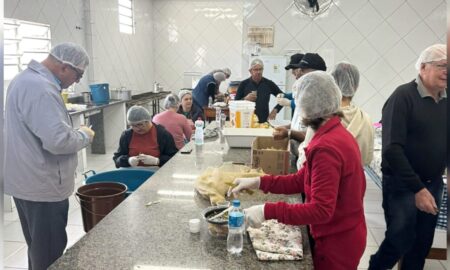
[[235, 219]]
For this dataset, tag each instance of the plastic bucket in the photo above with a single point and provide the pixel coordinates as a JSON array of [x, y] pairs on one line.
[[100, 93], [97, 200], [132, 178], [241, 113]]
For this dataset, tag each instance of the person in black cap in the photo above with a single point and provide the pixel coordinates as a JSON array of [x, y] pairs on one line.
[[310, 62], [288, 98]]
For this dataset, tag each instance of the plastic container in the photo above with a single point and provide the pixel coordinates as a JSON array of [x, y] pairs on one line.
[[132, 178], [241, 113], [235, 239], [199, 136], [233, 86], [100, 93], [97, 200]]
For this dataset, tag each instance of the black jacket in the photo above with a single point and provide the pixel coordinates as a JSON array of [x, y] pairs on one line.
[[165, 141]]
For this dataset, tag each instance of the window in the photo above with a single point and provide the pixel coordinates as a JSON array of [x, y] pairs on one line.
[[24, 41], [126, 18]]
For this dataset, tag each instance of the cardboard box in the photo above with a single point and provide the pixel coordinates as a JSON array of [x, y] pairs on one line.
[[271, 155]]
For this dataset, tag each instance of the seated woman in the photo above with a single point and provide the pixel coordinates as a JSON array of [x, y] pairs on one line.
[[175, 123], [332, 179], [144, 144], [188, 108]]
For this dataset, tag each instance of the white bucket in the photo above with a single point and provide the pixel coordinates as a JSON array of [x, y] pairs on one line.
[[241, 113]]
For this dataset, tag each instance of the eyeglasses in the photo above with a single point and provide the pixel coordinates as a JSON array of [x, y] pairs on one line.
[[138, 125], [439, 66], [77, 71]]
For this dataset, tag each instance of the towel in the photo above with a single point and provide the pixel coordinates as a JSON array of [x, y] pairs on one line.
[[275, 241], [214, 183]]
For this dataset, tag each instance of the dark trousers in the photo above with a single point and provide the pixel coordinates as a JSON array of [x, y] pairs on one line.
[[44, 227], [409, 232]]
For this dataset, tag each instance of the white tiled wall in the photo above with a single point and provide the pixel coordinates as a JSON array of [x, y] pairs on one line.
[[383, 38], [195, 36]]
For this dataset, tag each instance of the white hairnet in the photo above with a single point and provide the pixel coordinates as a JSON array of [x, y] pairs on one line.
[[219, 76], [436, 52], [256, 62], [72, 54], [227, 71], [320, 96], [346, 77], [182, 93], [137, 114], [171, 101]]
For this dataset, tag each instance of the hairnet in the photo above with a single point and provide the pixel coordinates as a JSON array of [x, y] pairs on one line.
[[72, 54], [219, 76], [227, 71], [256, 62], [182, 93], [320, 96], [171, 101], [137, 114], [436, 52], [346, 77]]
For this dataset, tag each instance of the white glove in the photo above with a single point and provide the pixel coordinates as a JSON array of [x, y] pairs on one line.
[[254, 216], [245, 183], [134, 161], [88, 132], [283, 102], [149, 160]]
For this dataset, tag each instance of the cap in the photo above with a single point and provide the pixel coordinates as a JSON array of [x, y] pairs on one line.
[[313, 61], [295, 59]]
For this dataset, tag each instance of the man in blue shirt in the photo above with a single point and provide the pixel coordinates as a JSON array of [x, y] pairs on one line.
[[208, 86]]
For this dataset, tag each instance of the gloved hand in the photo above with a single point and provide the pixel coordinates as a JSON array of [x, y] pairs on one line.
[[89, 132], [283, 102], [254, 216], [245, 183], [134, 161], [149, 160]]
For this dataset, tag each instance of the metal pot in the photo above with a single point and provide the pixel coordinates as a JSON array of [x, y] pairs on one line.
[[86, 97], [121, 94]]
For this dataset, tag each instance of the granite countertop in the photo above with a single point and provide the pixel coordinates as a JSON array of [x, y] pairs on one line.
[[134, 236], [94, 107]]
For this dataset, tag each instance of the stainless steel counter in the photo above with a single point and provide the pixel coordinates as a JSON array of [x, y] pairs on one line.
[[157, 236]]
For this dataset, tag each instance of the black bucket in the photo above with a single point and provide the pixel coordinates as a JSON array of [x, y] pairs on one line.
[[97, 200]]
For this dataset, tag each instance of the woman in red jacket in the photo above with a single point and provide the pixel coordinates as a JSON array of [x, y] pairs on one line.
[[332, 179]]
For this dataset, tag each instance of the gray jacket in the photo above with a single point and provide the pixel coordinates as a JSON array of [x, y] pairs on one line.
[[40, 144]]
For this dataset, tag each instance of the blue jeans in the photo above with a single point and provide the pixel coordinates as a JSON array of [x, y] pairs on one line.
[[409, 231]]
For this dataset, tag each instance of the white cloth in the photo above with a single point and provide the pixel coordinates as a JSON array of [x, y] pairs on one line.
[[277, 241], [40, 144], [359, 124]]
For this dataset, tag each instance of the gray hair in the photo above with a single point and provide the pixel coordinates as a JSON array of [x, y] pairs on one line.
[[171, 101], [71, 54], [219, 76], [346, 77], [256, 62], [138, 114]]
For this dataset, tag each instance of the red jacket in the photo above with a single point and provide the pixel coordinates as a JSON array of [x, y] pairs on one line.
[[333, 181]]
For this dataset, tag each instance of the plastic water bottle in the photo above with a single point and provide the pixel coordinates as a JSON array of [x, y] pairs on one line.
[[199, 136], [210, 102], [235, 239]]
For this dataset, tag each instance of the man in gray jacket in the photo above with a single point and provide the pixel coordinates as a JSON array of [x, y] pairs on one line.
[[41, 150]]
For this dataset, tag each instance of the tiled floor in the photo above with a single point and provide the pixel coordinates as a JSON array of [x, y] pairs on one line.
[[15, 250]]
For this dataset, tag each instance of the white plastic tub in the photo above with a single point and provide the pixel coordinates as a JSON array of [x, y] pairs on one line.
[[243, 137]]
